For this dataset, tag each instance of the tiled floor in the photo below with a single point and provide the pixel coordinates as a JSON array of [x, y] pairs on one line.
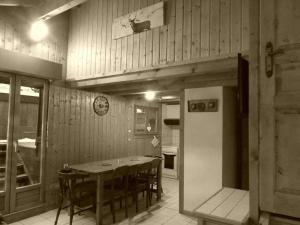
[[165, 212]]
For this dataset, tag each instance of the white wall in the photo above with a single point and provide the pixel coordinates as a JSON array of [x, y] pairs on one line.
[[173, 111], [202, 148], [170, 134]]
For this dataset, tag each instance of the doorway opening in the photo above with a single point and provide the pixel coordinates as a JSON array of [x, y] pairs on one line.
[[215, 154], [170, 138]]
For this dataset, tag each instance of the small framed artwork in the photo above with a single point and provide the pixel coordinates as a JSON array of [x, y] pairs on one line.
[[203, 105]]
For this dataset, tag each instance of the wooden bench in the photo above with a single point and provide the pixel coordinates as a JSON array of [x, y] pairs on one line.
[[228, 206]]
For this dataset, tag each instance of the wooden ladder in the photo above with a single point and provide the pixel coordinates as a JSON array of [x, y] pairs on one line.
[[23, 177]]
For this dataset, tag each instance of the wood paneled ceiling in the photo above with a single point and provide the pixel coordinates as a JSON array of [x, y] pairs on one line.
[[44, 9], [22, 3]]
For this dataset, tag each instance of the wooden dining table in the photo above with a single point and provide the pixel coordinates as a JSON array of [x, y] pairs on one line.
[[102, 168]]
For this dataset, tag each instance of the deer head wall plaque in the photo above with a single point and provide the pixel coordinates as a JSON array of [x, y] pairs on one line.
[[139, 21]]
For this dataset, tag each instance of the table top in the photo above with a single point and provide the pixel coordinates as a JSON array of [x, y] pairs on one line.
[[98, 167]]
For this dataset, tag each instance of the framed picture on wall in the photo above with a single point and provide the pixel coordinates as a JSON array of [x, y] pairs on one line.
[[203, 105], [145, 120]]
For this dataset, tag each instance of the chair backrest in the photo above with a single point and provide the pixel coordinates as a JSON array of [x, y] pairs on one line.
[[120, 174], [144, 168], [155, 166], [133, 170], [67, 181], [156, 163], [132, 174]]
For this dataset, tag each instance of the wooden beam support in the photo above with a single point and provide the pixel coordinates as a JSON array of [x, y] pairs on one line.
[[254, 98], [27, 65], [23, 3], [169, 85], [51, 8], [219, 65]]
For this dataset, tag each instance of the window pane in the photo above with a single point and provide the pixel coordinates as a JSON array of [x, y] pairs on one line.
[[29, 135], [4, 105], [146, 119], [152, 119], [140, 119]]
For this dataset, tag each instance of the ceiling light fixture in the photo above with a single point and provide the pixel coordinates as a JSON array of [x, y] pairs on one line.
[[39, 30], [168, 97], [150, 95]]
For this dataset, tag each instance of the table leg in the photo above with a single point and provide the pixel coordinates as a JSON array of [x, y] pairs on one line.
[[99, 200], [159, 187]]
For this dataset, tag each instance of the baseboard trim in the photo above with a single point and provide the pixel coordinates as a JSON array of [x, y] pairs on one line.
[[23, 214]]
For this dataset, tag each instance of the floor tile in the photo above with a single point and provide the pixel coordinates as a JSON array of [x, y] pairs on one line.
[[164, 212]]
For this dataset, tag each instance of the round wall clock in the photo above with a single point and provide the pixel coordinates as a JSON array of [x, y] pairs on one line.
[[101, 105]]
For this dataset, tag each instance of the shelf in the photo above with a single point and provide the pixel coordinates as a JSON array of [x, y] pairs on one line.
[[227, 206]]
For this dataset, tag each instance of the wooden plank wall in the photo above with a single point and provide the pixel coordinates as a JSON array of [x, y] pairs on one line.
[[193, 29], [14, 36], [76, 134]]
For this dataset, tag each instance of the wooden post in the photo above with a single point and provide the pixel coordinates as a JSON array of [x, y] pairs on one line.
[[253, 113]]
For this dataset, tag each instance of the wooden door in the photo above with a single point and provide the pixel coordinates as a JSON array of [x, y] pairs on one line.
[[6, 138], [23, 107], [280, 107], [29, 133]]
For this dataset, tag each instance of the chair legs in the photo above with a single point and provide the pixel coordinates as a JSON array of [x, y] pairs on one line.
[[150, 194], [147, 196], [71, 213], [136, 196], [126, 206], [112, 206], [58, 211], [156, 191]]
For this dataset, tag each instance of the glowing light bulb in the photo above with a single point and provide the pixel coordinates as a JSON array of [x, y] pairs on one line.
[[150, 95], [168, 97], [39, 30]]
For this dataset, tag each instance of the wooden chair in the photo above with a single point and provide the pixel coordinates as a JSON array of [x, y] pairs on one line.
[[155, 178], [140, 182], [117, 189], [76, 191]]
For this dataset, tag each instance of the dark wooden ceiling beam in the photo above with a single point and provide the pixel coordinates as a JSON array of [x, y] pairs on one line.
[[51, 8]]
